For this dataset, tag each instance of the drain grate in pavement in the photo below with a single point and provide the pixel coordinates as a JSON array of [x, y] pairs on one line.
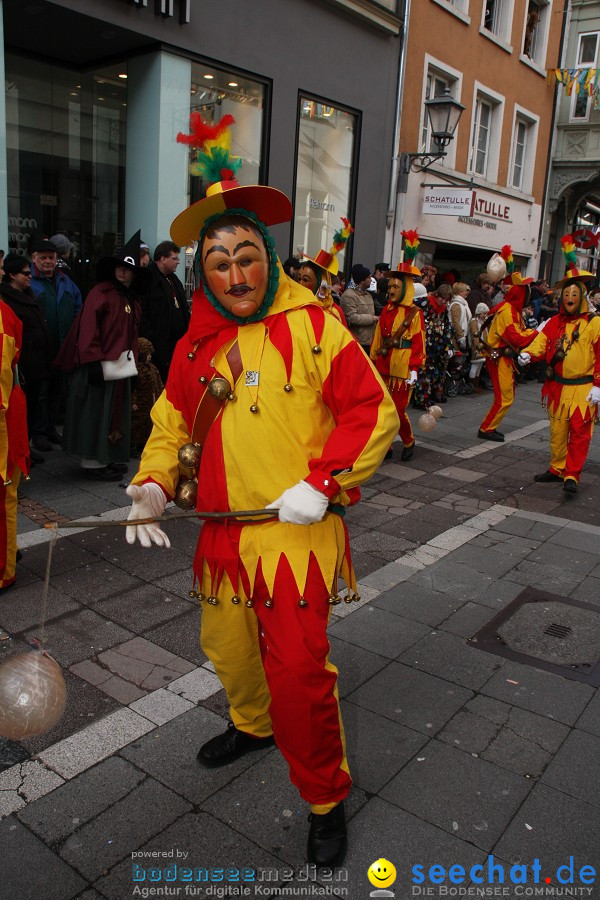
[[557, 634]]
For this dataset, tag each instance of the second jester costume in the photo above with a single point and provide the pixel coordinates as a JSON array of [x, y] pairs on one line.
[[570, 345], [260, 385], [398, 348]]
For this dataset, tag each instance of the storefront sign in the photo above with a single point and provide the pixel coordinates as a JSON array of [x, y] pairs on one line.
[[166, 8], [448, 202], [471, 220], [491, 209]]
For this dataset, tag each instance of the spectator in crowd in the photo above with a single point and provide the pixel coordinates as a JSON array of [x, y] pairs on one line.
[[146, 389], [482, 292], [14, 446], [460, 315], [476, 345], [60, 299], [357, 303], [101, 348], [312, 276], [63, 249], [292, 267], [428, 277], [165, 310], [37, 344], [380, 297], [144, 255], [429, 388]]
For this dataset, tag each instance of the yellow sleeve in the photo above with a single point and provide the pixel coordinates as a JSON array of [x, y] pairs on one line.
[[159, 460]]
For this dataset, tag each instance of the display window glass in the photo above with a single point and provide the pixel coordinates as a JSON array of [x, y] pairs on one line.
[[324, 175]]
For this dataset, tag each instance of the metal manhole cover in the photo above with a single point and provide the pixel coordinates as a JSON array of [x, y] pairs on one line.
[[550, 632]]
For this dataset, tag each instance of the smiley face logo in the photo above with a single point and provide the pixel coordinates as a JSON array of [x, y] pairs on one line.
[[381, 873]]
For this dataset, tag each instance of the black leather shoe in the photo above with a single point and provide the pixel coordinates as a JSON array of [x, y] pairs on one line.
[[570, 486], [102, 474], [547, 476], [229, 746], [327, 838], [490, 436], [407, 453]]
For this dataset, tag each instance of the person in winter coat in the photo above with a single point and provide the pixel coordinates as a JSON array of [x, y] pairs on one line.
[[147, 388], [476, 346], [483, 291], [460, 315], [429, 389], [37, 347], [98, 417], [60, 299], [357, 303], [165, 310]]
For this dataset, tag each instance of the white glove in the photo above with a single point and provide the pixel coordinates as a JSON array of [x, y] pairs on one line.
[[594, 395], [148, 501], [301, 505], [412, 379], [462, 343], [524, 358], [450, 352]]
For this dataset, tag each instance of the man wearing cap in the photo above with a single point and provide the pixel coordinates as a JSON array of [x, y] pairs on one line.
[[60, 299], [358, 306], [257, 401], [570, 345], [507, 336], [398, 348], [63, 248]]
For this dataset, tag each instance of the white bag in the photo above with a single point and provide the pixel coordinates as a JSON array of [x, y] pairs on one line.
[[117, 369]]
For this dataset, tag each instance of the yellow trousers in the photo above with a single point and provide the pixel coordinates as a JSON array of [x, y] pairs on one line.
[[8, 530]]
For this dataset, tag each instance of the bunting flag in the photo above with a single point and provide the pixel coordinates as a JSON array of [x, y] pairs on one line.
[[581, 81]]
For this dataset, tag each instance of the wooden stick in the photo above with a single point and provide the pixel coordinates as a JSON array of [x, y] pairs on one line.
[[187, 514]]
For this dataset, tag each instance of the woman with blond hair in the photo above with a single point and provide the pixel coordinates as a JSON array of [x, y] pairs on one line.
[[460, 315]]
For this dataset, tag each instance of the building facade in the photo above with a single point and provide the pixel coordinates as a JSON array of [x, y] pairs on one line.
[[574, 190], [96, 91], [492, 57]]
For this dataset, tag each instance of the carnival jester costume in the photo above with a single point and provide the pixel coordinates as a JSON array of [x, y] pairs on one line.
[[507, 336], [398, 348], [570, 345], [272, 369]]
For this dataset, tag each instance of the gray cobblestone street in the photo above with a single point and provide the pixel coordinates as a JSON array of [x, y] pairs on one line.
[[456, 753]]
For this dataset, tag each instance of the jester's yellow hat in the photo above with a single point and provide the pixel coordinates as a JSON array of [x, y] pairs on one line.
[[327, 260], [217, 167], [573, 274]]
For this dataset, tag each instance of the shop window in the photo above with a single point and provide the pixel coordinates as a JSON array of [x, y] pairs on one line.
[[483, 157], [537, 21], [523, 151], [325, 171], [587, 56], [497, 18], [65, 133]]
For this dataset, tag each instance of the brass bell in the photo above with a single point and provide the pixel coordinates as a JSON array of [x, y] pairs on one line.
[[356, 597], [231, 396], [201, 597], [334, 599], [236, 600], [193, 595], [348, 598], [250, 603], [396, 342], [316, 349], [191, 355], [384, 351], [549, 373], [269, 603], [218, 388], [302, 602], [186, 493], [189, 456], [288, 388], [559, 355], [254, 408], [214, 601], [203, 379]]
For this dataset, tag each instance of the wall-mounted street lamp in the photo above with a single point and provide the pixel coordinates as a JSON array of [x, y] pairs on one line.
[[444, 113]]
